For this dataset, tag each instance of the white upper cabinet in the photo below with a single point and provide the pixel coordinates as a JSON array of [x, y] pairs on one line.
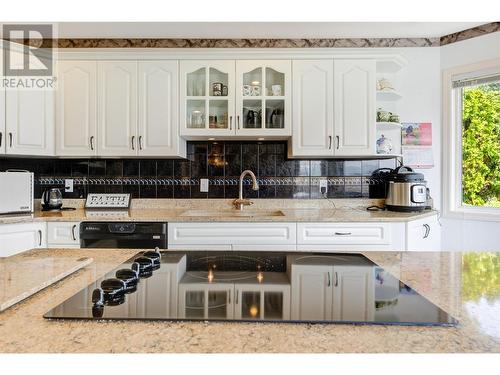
[[207, 98], [29, 122], [76, 115], [263, 97], [2, 120], [158, 109], [117, 108], [354, 107], [353, 293], [312, 117]]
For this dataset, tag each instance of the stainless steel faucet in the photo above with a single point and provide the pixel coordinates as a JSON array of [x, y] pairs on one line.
[[240, 202]]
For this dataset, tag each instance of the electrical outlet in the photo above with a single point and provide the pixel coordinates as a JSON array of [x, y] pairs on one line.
[[204, 185], [68, 185], [323, 187]]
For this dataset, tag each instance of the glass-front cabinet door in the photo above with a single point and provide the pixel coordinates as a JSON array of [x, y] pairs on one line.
[[263, 92], [207, 98], [206, 301], [262, 302]]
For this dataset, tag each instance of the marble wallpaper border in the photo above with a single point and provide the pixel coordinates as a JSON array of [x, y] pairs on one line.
[[268, 43], [487, 28]]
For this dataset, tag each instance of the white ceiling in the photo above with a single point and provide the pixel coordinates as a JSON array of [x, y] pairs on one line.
[[260, 29]]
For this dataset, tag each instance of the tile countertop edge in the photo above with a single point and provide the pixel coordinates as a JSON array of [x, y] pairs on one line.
[[175, 215]]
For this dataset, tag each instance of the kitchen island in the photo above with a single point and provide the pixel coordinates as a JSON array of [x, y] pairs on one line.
[[440, 277]]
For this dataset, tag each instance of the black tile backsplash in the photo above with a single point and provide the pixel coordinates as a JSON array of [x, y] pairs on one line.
[[220, 162]]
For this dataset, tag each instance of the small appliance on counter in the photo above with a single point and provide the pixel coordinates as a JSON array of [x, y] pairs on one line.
[[113, 201], [406, 190], [52, 201], [16, 192]]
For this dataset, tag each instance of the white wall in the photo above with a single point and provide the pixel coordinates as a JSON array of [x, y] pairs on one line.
[[470, 234], [420, 85]]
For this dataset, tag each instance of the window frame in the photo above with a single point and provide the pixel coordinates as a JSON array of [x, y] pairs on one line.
[[453, 207]]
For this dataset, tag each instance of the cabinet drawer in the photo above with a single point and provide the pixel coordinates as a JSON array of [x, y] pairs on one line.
[[63, 234], [344, 234], [231, 234]]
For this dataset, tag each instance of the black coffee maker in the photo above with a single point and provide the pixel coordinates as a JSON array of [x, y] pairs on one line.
[[378, 189]]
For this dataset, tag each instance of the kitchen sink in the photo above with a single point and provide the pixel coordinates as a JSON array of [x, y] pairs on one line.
[[231, 213]]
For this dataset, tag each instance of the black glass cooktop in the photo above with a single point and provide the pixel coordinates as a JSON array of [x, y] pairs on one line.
[[244, 286]]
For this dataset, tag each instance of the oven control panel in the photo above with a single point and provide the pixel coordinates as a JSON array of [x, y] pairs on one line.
[[114, 201]]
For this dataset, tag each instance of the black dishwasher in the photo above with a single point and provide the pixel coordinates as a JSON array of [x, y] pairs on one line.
[[123, 235]]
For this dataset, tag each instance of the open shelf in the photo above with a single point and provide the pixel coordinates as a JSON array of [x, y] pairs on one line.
[[389, 156], [388, 125], [391, 64], [390, 95]]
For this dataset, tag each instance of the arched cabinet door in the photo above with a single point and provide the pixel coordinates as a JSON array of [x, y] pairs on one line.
[[355, 115], [207, 98], [76, 115], [312, 108], [158, 112], [263, 97], [117, 108]]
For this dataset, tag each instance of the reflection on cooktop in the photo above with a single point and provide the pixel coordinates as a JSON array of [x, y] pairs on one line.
[[250, 286]]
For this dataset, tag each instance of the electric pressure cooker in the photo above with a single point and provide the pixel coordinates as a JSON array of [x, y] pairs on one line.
[[406, 190]]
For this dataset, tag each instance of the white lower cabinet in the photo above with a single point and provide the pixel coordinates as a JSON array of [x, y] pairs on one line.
[[206, 300], [235, 236], [350, 236], [423, 234], [16, 238], [332, 292], [63, 234], [269, 301], [353, 293], [250, 299], [312, 296]]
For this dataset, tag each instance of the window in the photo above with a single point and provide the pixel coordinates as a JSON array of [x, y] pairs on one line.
[[472, 158]]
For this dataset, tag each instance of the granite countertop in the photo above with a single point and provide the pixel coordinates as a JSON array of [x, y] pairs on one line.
[[465, 285], [175, 211], [25, 274]]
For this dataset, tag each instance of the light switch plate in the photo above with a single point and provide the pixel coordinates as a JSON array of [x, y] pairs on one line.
[[204, 185], [68, 185]]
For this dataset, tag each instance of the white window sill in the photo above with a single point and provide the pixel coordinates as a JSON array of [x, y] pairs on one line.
[[473, 213]]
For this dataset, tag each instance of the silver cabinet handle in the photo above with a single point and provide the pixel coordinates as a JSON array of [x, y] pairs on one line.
[[338, 141], [237, 294], [238, 121], [1, 137], [336, 279], [92, 142], [73, 232], [39, 238], [230, 122], [229, 296], [140, 142], [343, 233], [10, 140], [329, 281], [329, 142], [427, 230], [132, 141]]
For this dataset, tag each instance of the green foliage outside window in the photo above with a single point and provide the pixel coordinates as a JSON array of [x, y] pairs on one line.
[[480, 276], [481, 145]]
